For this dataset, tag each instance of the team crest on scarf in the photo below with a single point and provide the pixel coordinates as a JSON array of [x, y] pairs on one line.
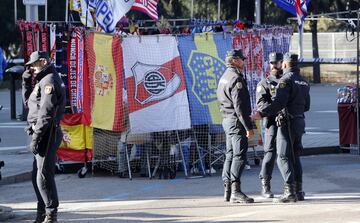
[[154, 82], [103, 80]]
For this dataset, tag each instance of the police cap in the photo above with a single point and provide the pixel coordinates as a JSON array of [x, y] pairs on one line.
[[37, 55], [290, 57], [275, 57], [236, 53]]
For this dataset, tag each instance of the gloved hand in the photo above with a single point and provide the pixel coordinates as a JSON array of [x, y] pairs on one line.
[[29, 130], [280, 120], [34, 147], [27, 76]]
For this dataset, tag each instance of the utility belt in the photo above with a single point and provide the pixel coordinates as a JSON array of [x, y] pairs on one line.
[[283, 117]]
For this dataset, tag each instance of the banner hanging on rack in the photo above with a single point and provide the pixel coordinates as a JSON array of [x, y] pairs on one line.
[[105, 61], [76, 70], [203, 58], [155, 83]]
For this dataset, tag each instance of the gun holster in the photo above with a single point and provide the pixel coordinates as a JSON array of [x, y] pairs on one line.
[[281, 119]]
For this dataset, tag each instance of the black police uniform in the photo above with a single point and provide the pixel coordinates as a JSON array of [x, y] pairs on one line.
[[234, 100], [292, 94], [46, 103], [235, 108], [265, 92]]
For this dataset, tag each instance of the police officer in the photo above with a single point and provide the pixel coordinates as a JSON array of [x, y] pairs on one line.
[[44, 95], [265, 92], [234, 100], [293, 99]]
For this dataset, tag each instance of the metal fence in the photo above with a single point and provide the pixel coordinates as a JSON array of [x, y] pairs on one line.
[[331, 45]]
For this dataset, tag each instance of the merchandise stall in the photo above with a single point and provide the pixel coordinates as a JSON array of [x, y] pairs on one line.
[[146, 84], [346, 106]]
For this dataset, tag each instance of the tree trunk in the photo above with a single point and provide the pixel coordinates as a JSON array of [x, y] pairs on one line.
[[315, 48]]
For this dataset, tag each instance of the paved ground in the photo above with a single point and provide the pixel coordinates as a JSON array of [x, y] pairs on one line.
[[331, 184], [322, 122]]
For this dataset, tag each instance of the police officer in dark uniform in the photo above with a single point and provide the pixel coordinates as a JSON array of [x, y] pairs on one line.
[[44, 95], [265, 92], [234, 100], [292, 100]]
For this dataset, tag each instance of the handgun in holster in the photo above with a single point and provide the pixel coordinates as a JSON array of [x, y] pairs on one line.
[[282, 118]]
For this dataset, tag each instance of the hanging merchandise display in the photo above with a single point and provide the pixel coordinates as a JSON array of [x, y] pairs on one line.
[[155, 85], [267, 48], [75, 69], [202, 57], [77, 137], [131, 85], [52, 36], [105, 61], [34, 37], [256, 73]]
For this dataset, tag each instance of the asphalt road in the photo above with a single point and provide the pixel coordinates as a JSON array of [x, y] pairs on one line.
[[331, 183]]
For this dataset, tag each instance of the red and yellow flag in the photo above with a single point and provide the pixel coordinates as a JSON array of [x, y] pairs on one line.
[[76, 135], [105, 61]]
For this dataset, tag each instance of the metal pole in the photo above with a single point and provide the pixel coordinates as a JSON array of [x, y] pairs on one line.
[[66, 10], [357, 81], [32, 13], [12, 96], [46, 10], [238, 10], [15, 11], [192, 9], [301, 31], [258, 12], [219, 6]]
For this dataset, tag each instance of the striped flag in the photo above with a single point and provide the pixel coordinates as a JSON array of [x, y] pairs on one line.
[[147, 6], [301, 11], [295, 7], [105, 63]]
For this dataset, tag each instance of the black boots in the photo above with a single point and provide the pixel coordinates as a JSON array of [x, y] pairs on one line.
[[50, 218], [300, 194], [227, 191], [266, 189], [237, 196], [288, 196], [39, 217]]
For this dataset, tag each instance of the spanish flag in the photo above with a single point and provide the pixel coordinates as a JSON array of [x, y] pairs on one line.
[[105, 63], [77, 141]]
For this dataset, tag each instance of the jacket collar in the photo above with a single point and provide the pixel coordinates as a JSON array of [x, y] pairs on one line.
[[291, 69], [237, 71], [45, 71]]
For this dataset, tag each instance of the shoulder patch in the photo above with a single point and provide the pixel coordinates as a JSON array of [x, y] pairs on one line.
[[282, 84], [48, 89], [239, 85], [258, 89]]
